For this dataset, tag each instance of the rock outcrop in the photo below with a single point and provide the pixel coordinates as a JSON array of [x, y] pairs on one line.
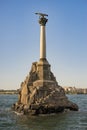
[[40, 92]]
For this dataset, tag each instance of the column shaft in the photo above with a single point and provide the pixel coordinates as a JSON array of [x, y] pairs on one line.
[[42, 42]]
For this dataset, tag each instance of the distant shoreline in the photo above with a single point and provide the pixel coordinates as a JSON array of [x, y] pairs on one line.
[[74, 90], [8, 91], [68, 90]]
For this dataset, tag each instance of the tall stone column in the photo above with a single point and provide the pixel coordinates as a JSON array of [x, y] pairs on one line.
[[43, 67], [42, 22]]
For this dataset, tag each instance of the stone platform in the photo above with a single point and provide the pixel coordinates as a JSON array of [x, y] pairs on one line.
[[40, 92]]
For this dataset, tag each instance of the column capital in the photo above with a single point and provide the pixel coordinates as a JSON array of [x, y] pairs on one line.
[[42, 18], [43, 21]]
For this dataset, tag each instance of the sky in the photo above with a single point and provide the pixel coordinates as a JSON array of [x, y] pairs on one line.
[[66, 40]]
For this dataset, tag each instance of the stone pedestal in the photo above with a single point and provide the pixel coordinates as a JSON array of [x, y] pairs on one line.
[[43, 69], [41, 94]]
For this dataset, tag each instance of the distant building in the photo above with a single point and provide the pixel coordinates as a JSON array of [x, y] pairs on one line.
[[74, 90]]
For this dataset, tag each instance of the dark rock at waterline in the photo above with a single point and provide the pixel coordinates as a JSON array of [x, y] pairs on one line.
[[34, 110]]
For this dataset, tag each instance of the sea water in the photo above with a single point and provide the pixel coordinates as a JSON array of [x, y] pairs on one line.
[[72, 120]]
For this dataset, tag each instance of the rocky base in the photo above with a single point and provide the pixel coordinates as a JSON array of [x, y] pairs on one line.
[[43, 109], [39, 109], [41, 94]]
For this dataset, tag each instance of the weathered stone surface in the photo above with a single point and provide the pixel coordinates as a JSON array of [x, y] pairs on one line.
[[40, 92]]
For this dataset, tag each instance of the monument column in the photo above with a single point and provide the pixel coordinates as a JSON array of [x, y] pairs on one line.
[[43, 66], [42, 22]]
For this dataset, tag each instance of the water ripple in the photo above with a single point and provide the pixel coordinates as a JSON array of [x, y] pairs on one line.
[[63, 121]]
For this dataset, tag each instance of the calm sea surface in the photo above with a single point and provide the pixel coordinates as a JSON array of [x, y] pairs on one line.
[[64, 121]]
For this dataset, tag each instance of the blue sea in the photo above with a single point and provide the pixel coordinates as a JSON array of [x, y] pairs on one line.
[[72, 120]]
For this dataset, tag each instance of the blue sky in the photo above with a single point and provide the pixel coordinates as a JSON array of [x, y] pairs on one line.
[[66, 38]]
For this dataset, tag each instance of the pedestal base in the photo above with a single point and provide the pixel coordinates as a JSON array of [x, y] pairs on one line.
[[41, 94]]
